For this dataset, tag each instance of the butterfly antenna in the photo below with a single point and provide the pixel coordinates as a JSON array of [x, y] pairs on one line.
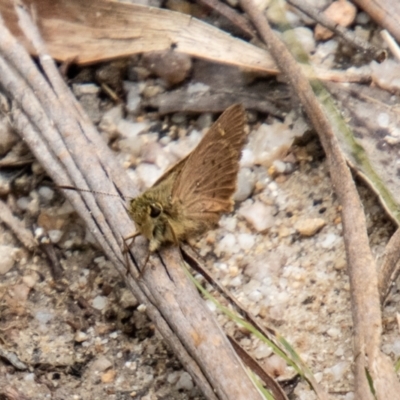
[[86, 190]]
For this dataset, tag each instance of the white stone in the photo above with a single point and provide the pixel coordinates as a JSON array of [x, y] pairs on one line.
[[80, 337], [329, 241], [8, 256], [262, 351], [55, 235], [211, 305], [99, 302], [338, 370], [333, 332], [185, 382], [246, 241], [148, 173], [173, 377], [133, 96], [383, 120], [81, 89], [46, 193], [259, 215], [226, 245], [228, 223], [101, 364], [131, 130], [197, 87], [247, 159], [23, 203], [245, 184], [44, 316], [301, 39]]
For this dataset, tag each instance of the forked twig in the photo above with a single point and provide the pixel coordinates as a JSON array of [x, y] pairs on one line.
[[361, 266]]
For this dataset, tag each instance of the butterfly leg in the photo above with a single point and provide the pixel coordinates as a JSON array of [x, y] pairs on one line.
[[126, 249]]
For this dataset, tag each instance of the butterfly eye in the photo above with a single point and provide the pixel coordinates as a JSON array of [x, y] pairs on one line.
[[155, 211]]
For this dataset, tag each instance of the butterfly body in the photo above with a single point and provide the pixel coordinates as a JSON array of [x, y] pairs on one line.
[[190, 197]]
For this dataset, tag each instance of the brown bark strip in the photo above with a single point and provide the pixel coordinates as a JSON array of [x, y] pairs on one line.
[[68, 146], [361, 266]]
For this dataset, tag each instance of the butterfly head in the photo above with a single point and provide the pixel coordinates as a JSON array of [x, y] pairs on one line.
[[146, 214]]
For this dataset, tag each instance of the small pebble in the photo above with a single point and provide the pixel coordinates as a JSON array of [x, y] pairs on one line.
[[204, 121], [23, 203], [99, 302], [338, 370], [340, 12], [309, 227], [110, 121], [211, 305], [133, 98], [131, 130], [301, 40], [362, 18], [259, 215], [127, 299], [333, 332], [171, 66], [148, 173], [179, 119], [151, 91], [55, 235], [30, 280], [185, 382], [246, 241], [109, 376], [226, 245], [329, 240], [101, 364], [142, 308], [8, 256], [44, 316], [197, 87], [80, 337], [81, 89], [46, 193], [245, 184], [173, 377], [21, 292], [275, 365], [262, 351]]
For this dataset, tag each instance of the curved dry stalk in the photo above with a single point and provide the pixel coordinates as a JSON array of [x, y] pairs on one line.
[[361, 266], [69, 148], [390, 268]]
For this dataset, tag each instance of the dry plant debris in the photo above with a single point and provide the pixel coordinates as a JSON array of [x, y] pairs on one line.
[[281, 253]]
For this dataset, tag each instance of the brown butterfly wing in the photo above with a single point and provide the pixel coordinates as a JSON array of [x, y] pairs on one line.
[[207, 180], [172, 172]]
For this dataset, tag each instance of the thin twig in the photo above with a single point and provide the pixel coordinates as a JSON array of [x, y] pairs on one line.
[[361, 266]]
